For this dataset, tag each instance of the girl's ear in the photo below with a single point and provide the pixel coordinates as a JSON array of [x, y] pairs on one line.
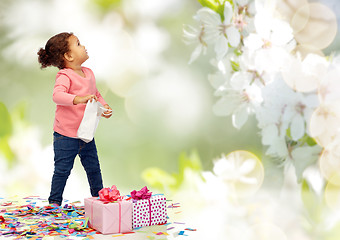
[[68, 57]]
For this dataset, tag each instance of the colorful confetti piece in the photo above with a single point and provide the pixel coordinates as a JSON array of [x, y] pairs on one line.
[[190, 229], [118, 235]]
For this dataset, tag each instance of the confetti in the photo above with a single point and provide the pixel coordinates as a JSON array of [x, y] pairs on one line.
[[160, 233], [33, 222], [119, 235], [174, 205], [190, 229], [25, 219], [6, 204]]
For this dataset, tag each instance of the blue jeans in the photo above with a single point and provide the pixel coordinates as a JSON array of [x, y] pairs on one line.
[[65, 151]]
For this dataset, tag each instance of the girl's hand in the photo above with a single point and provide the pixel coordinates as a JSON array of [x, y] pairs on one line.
[[108, 113], [83, 100]]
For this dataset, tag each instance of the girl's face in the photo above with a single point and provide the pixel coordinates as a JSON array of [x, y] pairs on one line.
[[77, 51]]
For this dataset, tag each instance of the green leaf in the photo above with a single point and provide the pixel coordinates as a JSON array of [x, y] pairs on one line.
[[19, 112], [193, 162], [5, 121], [6, 150], [210, 4], [237, 52], [288, 133], [235, 66], [158, 178], [307, 139], [215, 5], [311, 141], [6, 129]]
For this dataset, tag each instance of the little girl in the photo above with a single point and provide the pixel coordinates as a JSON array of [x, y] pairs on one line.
[[74, 87]]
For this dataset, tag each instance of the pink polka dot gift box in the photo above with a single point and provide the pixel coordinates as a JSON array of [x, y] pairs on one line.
[[110, 213], [148, 209]]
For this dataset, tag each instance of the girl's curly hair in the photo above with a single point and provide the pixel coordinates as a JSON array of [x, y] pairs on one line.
[[55, 48]]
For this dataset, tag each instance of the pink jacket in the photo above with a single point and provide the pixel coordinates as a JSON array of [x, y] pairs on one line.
[[67, 86]]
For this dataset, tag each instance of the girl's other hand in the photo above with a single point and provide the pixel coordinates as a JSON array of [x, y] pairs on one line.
[[108, 113], [84, 99]]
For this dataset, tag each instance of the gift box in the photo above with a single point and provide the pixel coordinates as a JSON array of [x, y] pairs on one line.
[[148, 211], [108, 217]]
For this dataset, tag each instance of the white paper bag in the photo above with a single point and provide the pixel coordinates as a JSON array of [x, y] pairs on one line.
[[89, 123]]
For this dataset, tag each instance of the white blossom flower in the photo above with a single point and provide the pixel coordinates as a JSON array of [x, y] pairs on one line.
[[240, 92], [282, 109], [299, 112], [218, 32], [271, 43], [257, 69], [237, 102], [195, 36], [305, 75], [270, 32], [227, 65], [270, 118], [244, 16]]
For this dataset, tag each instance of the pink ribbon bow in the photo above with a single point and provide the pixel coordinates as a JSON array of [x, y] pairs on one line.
[[109, 194], [141, 194]]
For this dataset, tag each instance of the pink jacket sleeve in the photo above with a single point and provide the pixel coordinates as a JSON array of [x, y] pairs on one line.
[[100, 98], [60, 91]]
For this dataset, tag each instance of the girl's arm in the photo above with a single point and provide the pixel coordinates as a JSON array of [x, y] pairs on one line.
[[108, 113], [60, 91], [62, 97], [100, 98], [84, 99]]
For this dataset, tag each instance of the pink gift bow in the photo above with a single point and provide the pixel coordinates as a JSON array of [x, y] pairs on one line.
[[141, 194], [109, 194]]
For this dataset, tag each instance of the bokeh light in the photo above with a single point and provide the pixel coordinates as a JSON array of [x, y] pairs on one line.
[[324, 123], [330, 165], [242, 171], [320, 25], [332, 195], [329, 87], [288, 8]]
